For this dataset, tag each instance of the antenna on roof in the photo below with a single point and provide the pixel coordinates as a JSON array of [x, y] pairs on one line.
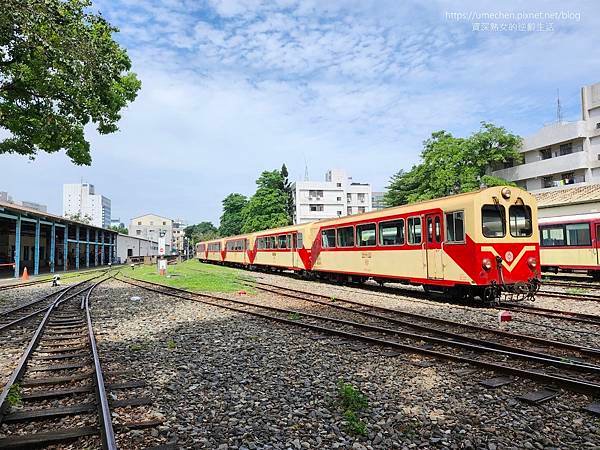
[[305, 170], [558, 109]]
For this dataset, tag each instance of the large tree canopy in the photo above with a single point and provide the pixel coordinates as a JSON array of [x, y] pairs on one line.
[[60, 69], [268, 207], [203, 231], [232, 219], [452, 165]]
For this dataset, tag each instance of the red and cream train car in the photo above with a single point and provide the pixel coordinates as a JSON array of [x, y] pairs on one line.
[[571, 243], [472, 245]]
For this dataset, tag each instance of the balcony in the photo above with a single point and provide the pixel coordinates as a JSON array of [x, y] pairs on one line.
[[544, 167], [554, 134]]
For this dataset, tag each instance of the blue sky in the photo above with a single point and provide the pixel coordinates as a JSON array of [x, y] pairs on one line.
[[235, 87]]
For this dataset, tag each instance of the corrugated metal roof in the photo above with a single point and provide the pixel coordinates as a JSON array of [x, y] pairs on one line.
[[581, 194]]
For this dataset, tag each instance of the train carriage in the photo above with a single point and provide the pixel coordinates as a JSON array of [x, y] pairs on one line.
[[474, 245], [570, 243]]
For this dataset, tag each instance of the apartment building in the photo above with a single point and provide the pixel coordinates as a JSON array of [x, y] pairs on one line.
[[178, 234], [7, 198], [377, 201], [80, 199], [337, 196], [151, 227], [562, 154]]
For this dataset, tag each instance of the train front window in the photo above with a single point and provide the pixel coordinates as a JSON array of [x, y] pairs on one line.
[[492, 221], [519, 217]]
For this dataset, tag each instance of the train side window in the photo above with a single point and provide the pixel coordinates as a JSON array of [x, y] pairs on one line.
[[366, 235], [429, 229], [391, 233], [553, 236], [328, 238], [299, 241], [492, 221], [345, 237], [438, 229], [283, 241], [519, 218], [455, 226], [578, 234], [273, 241], [414, 230]]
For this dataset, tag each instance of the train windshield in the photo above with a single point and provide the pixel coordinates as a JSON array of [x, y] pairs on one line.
[[492, 221], [519, 217]]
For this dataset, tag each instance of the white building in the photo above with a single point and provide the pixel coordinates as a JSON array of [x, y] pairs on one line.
[[151, 227], [562, 154], [81, 199], [133, 247], [178, 234], [337, 196], [6, 197]]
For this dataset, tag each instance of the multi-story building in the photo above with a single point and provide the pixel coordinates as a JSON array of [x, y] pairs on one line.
[[116, 223], [337, 196], [178, 234], [151, 227], [6, 197], [80, 200], [377, 201], [561, 154]]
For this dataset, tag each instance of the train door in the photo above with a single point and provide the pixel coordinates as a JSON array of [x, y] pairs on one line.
[[597, 244], [433, 245], [293, 245]]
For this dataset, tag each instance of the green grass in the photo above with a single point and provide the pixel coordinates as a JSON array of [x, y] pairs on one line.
[[171, 345], [352, 401], [14, 395], [194, 276]]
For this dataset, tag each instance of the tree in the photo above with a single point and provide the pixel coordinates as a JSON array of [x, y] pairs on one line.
[[60, 69], [79, 218], [203, 231], [232, 219], [287, 188], [452, 165], [267, 208], [120, 229]]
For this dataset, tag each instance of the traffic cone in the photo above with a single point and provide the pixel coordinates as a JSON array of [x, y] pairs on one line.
[[25, 276]]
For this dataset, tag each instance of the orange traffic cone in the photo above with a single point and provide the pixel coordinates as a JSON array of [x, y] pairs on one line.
[[25, 274]]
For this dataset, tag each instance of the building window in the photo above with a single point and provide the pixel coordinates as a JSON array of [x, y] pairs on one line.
[[455, 226], [151, 222], [361, 209], [366, 235], [339, 214], [138, 232], [548, 182], [348, 198], [568, 178], [139, 223], [339, 199], [566, 149], [361, 197], [314, 208], [339, 184], [349, 210], [546, 153]]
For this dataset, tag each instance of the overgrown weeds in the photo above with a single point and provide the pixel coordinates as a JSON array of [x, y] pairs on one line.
[[352, 401]]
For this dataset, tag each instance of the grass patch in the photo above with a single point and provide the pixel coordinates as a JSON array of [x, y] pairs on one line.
[[194, 276], [352, 401], [294, 316], [576, 290], [171, 345], [14, 395]]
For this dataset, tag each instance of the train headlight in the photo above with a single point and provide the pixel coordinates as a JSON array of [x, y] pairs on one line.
[[506, 193], [532, 263], [486, 263]]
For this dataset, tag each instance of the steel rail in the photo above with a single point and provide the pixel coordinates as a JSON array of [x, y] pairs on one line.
[[559, 344], [107, 432], [568, 382], [455, 336], [27, 305], [27, 354], [566, 295], [588, 318], [73, 274]]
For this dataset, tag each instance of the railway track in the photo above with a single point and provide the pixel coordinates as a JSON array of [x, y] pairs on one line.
[[580, 296], [549, 369], [47, 280], [59, 383], [572, 284]]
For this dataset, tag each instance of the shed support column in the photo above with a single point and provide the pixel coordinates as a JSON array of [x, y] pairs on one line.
[[66, 248], [87, 247], [36, 252], [102, 253], [112, 247], [17, 246], [96, 250], [76, 247], [52, 247]]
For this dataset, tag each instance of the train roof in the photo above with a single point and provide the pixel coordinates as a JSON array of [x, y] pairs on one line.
[[569, 218]]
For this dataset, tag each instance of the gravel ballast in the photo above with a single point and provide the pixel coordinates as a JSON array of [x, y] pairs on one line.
[[225, 380]]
